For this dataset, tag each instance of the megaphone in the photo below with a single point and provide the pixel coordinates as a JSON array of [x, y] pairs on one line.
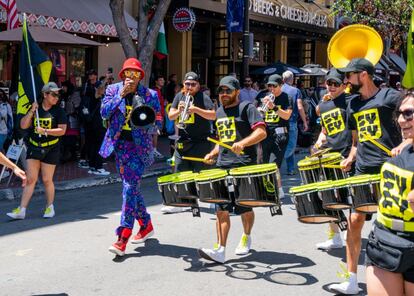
[[355, 41], [142, 116]]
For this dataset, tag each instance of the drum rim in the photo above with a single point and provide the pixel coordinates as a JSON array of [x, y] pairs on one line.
[[364, 179], [172, 177], [214, 174], [260, 168], [253, 175], [310, 186], [314, 161]]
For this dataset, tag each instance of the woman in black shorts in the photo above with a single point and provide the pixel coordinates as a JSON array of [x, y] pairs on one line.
[[390, 248], [42, 148]]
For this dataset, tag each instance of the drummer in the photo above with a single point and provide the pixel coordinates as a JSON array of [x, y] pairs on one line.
[[334, 135], [240, 125], [192, 140], [277, 123], [370, 112]]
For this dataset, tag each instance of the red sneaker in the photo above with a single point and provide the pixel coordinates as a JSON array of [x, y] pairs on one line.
[[143, 234], [119, 247]]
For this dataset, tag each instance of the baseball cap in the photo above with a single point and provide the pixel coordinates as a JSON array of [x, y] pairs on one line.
[[275, 79], [336, 76], [358, 65], [50, 86], [191, 76], [229, 81]]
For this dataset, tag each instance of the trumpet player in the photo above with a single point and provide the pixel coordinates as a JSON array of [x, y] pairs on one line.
[[276, 109], [133, 150]]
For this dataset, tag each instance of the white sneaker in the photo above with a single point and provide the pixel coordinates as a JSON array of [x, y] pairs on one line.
[[281, 193], [218, 256], [17, 214], [101, 172], [244, 245], [333, 243], [171, 210], [157, 154], [347, 288], [49, 212]]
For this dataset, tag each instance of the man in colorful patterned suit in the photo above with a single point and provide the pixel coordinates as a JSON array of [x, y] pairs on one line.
[[132, 147]]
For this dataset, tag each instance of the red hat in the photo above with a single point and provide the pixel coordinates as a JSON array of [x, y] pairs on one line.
[[132, 63]]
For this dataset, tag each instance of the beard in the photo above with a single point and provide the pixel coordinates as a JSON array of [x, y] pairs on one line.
[[227, 100], [355, 88]]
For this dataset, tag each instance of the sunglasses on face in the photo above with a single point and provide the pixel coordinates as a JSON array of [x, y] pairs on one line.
[[132, 74], [192, 84], [349, 74], [408, 114], [53, 94], [226, 91], [333, 83]]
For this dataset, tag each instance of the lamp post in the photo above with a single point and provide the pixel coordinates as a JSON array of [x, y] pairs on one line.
[[246, 42]]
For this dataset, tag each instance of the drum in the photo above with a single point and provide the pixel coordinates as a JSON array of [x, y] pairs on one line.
[[309, 206], [256, 185], [365, 191], [335, 195], [212, 186], [178, 189], [311, 172]]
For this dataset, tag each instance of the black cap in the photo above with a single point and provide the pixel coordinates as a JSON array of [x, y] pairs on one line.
[[191, 76], [275, 79], [358, 65], [336, 76], [229, 81]]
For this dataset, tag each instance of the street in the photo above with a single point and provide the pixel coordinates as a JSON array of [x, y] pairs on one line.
[[68, 254]]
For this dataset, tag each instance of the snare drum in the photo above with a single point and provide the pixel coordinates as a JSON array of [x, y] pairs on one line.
[[212, 186], [365, 190], [256, 185], [178, 189], [335, 195], [309, 206], [311, 172]]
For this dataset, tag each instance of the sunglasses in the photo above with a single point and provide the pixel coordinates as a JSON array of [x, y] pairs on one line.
[[226, 91], [53, 94], [349, 74], [333, 83], [272, 85], [132, 74], [192, 84], [407, 114]]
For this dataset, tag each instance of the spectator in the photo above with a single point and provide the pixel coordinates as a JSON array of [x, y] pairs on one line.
[[398, 86], [159, 86], [247, 93], [6, 119], [170, 89]]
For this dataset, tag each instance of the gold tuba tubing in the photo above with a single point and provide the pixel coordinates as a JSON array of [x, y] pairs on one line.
[[355, 41]]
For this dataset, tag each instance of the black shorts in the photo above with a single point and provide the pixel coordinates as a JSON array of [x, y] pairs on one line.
[[274, 147], [367, 170], [49, 155], [232, 207], [408, 275]]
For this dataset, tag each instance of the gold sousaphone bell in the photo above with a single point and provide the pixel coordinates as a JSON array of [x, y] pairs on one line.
[[141, 116], [355, 41]]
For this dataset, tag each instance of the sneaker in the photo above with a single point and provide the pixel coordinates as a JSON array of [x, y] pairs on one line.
[[17, 214], [174, 137], [171, 210], [101, 172], [346, 288], [49, 212], [334, 242], [83, 164], [281, 193], [91, 171], [119, 247], [157, 154], [213, 255], [244, 245], [143, 234]]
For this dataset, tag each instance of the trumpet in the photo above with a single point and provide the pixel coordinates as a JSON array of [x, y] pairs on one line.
[[264, 108], [188, 101]]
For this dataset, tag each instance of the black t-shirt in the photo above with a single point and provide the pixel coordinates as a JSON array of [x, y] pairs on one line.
[[126, 133], [397, 180], [47, 119], [374, 116], [197, 128], [272, 119], [334, 120], [234, 124]]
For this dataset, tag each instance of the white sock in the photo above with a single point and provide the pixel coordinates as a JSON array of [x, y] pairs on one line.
[[22, 209], [221, 249], [353, 278], [50, 206]]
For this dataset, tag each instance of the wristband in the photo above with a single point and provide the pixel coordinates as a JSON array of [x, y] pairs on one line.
[[45, 133]]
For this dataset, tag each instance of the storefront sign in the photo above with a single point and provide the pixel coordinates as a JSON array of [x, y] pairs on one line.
[[300, 15], [184, 20]]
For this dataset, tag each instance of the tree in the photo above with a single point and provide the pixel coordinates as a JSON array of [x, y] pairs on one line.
[[390, 18], [151, 13]]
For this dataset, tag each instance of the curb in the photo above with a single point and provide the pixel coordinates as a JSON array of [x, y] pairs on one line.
[[14, 193]]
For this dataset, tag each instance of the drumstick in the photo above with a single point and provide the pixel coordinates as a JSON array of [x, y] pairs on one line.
[[193, 158], [221, 144], [378, 144]]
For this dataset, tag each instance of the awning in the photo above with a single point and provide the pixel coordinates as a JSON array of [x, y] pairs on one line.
[[47, 35], [398, 61], [79, 16]]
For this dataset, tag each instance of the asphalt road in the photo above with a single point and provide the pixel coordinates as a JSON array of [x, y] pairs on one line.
[[68, 255]]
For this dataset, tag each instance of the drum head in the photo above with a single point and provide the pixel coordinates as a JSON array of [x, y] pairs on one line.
[[208, 175], [253, 169], [172, 178], [303, 189], [313, 162], [364, 179]]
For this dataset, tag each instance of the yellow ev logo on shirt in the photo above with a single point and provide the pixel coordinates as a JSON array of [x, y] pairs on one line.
[[226, 129], [272, 116], [368, 121], [333, 122], [43, 123]]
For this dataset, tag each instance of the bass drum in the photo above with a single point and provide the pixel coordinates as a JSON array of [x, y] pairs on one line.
[[212, 186]]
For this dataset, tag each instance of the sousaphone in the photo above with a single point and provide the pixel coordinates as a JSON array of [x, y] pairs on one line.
[[355, 41]]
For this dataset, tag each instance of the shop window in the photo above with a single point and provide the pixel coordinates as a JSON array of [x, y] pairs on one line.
[[77, 65], [221, 43], [262, 51]]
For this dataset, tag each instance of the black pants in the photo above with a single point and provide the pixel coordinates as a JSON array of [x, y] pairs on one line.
[[191, 149], [94, 144], [274, 147]]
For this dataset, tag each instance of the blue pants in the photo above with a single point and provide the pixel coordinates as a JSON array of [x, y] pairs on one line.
[[291, 146], [131, 169]]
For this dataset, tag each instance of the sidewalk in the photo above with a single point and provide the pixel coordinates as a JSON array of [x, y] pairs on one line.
[[69, 176]]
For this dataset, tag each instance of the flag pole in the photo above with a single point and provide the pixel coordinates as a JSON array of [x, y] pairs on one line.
[[31, 69]]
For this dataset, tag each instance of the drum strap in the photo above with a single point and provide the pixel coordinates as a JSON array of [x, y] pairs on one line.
[[196, 211], [343, 222], [276, 210]]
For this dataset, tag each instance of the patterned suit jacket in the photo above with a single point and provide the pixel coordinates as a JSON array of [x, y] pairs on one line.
[[113, 109]]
